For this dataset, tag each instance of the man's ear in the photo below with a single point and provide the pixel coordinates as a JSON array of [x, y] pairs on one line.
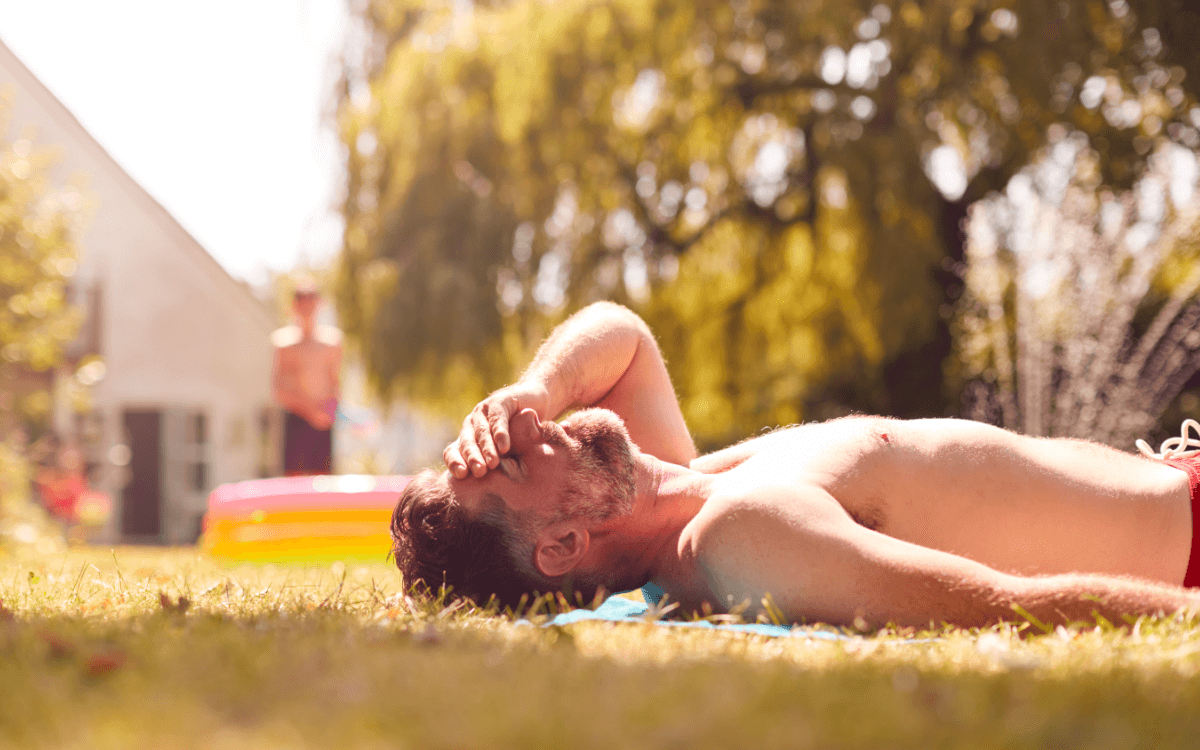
[[560, 548]]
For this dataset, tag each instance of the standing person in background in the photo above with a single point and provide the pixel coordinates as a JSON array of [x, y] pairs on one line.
[[305, 382]]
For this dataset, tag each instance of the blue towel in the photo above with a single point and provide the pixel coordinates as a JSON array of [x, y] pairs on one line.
[[652, 593], [620, 609]]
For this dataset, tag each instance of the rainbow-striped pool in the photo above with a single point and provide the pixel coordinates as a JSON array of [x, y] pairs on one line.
[[302, 519]]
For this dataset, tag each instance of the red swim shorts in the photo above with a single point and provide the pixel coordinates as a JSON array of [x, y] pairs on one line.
[[1191, 579]]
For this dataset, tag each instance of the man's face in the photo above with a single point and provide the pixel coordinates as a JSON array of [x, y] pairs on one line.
[[581, 468], [304, 304]]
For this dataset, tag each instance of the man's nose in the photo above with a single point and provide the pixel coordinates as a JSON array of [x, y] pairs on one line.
[[524, 429]]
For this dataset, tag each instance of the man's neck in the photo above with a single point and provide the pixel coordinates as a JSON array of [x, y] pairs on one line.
[[668, 497]]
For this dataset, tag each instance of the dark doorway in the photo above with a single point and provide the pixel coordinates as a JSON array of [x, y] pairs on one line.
[[141, 500]]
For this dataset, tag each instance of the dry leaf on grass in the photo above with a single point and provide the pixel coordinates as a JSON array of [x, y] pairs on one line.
[[104, 662], [178, 607], [57, 646]]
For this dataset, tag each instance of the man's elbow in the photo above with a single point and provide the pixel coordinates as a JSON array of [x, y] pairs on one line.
[[607, 307], [977, 600], [616, 313], [996, 597]]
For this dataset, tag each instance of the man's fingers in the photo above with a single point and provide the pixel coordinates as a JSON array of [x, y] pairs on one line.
[[497, 417], [469, 443], [483, 438], [472, 457], [454, 460], [468, 451]]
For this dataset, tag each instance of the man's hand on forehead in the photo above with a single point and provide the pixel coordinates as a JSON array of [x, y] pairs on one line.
[[485, 434]]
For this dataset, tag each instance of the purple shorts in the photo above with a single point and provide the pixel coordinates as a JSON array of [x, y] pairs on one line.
[[306, 450]]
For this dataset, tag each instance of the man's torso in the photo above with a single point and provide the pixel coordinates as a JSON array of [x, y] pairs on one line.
[[1012, 503], [308, 365]]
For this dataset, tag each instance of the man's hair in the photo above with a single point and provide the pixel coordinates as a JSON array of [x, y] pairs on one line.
[[436, 542]]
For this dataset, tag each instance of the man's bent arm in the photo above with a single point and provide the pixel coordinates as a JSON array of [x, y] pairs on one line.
[[818, 565], [604, 355]]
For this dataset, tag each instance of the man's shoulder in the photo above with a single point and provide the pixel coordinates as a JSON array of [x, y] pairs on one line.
[[767, 513], [766, 541], [282, 338], [328, 335]]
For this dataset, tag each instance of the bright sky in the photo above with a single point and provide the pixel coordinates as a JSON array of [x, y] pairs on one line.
[[219, 109]]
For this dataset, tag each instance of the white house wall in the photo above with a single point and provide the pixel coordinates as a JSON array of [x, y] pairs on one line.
[[177, 331]]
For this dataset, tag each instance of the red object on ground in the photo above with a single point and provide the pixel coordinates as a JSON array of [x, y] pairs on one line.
[[61, 492]]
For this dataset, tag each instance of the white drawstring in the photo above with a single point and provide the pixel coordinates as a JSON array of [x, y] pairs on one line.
[[1184, 446]]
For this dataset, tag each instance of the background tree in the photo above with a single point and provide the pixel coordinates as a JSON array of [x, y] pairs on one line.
[[37, 259], [774, 185]]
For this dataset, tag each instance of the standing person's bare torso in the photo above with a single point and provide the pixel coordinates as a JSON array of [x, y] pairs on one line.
[[308, 366], [1016, 504]]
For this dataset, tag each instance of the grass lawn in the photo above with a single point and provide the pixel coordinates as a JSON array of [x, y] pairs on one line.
[[96, 651]]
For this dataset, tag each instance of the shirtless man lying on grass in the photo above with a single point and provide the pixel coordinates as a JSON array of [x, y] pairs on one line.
[[860, 518]]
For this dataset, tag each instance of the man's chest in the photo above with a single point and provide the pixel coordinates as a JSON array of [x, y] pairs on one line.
[[848, 458], [305, 356]]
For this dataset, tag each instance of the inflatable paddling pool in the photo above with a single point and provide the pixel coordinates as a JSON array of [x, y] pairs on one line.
[[302, 519]]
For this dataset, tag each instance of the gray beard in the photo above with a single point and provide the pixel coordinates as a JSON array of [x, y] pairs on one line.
[[602, 484]]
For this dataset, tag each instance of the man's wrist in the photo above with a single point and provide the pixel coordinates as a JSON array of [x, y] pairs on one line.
[[538, 393]]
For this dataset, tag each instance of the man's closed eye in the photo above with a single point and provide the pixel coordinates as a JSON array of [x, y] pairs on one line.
[[511, 468]]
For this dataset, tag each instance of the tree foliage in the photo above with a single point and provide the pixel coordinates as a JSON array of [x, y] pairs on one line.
[[775, 185], [37, 258]]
